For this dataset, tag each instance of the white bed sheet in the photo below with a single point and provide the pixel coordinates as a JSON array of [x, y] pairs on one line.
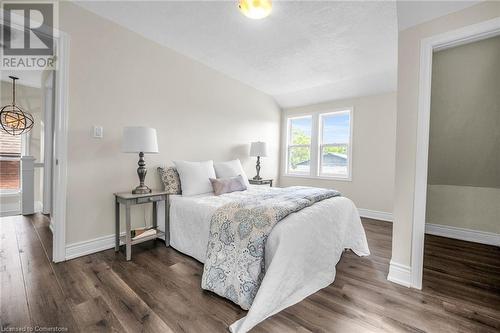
[[301, 251]]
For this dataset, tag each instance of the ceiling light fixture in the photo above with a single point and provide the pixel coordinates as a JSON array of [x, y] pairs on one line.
[[13, 119], [255, 9]]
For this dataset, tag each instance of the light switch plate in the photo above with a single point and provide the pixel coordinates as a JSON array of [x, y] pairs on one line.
[[97, 132]]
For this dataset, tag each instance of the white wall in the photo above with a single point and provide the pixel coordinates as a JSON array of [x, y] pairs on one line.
[[374, 135], [117, 78], [408, 82]]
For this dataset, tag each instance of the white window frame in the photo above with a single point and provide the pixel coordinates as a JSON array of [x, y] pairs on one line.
[[316, 144]]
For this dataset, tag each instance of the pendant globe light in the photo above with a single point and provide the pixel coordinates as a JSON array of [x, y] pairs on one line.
[[13, 120], [255, 9]]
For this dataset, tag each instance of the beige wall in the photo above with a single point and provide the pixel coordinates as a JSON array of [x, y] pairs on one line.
[[408, 81], [117, 78], [469, 207], [464, 145], [374, 135]]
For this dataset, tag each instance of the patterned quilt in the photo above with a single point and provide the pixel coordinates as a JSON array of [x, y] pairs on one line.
[[235, 266]]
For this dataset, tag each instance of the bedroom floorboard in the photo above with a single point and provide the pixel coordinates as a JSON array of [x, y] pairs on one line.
[[159, 290]]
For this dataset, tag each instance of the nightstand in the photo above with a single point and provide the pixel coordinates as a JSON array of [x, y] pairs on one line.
[[128, 199], [261, 182]]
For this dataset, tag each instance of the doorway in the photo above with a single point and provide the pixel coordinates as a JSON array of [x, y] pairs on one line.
[[16, 148], [430, 45], [462, 240], [53, 170]]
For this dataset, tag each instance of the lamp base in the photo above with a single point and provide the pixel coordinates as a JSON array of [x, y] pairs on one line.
[[141, 190], [257, 167], [141, 172]]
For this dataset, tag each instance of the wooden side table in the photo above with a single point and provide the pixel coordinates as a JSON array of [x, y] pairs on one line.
[[261, 182], [128, 199]]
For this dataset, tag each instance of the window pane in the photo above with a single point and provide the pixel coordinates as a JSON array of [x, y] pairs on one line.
[[10, 153], [300, 131], [334, 163], [336, 128], [10, 145], [299, 159], [335, 144], [9, 175]]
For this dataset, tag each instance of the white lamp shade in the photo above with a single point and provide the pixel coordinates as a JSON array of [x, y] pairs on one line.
[[258, 149], [139, 139]]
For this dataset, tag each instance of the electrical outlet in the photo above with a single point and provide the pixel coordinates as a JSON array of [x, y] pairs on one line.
[[97, 132]]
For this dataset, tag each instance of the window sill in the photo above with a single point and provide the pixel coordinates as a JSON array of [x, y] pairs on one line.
[[9, 193], [332, 178]]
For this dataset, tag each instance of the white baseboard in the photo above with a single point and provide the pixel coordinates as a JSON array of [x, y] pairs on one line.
[[469, 235], [376, 215], [400, 274], [98, 244], [10, 213]]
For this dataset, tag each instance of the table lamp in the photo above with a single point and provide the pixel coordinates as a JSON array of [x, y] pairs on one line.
[[258, 149], [140, 140]]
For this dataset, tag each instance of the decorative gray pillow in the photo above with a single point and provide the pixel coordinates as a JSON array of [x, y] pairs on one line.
[[228, 185], [170, 179]]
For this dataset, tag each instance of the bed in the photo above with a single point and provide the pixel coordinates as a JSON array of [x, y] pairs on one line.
[[299, 259]]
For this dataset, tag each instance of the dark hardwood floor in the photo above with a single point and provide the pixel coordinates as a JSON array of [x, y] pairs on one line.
[[159, 290]]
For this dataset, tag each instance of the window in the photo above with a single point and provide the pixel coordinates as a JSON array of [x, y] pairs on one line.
[[319, 145], [10, 157], [334, 144]]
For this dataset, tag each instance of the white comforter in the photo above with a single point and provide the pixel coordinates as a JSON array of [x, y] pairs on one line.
[[301, 251]]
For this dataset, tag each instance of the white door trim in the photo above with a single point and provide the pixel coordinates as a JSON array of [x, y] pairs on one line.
[[48, 103], [449, 39], [60, 162]]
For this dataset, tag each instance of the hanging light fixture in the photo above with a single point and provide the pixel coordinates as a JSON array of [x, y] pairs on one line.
[[13, 119], [255, 9]]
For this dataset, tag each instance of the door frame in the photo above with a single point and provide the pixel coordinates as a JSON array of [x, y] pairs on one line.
[[465, 35], [48, 93], [60, 149], [60, 153]]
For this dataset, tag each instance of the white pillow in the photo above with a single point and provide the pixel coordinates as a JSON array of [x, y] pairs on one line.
[[230, 169], [195, 176]]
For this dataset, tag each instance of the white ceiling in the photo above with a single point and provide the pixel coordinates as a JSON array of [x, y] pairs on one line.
[[305, 52], [30, 78]]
